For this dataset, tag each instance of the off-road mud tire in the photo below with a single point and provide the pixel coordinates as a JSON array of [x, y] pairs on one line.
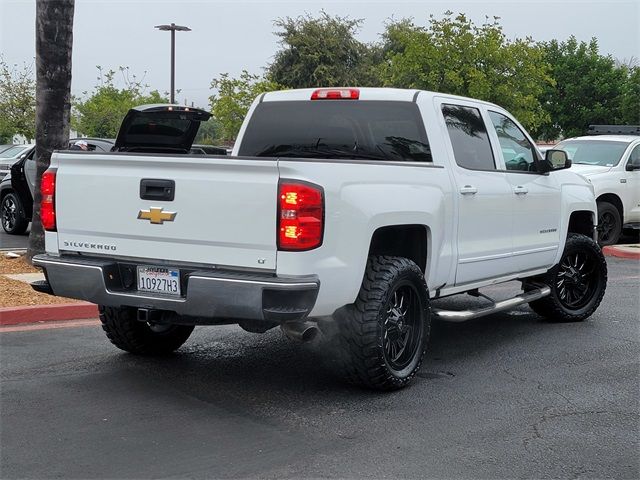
[[552, 307], [128, 334], [362, 325]]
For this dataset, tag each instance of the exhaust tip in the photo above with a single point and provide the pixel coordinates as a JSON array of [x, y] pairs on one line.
[[310, 334], [300, 331]]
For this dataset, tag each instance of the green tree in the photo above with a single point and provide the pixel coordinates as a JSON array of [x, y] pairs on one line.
[[208, 132], [100, 113], [234, 96], [54, 42], [323, 52], [630, 102], [17, 101], [588, 88], [453, 55]]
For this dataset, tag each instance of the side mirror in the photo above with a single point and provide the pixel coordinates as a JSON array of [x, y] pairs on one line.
[[556, 160], [634, 164]]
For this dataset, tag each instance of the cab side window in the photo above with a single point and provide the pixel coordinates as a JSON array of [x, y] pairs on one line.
[[469, 138], [519, 154], [634, 157]]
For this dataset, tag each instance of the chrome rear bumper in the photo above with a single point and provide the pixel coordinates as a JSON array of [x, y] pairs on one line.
[[207, 294]]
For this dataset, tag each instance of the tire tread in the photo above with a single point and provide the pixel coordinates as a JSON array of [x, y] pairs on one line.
[[550, 307], [362, 362], [128, 334]]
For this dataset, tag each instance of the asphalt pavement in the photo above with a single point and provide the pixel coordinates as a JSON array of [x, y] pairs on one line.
[[13, 241], [505, 396]]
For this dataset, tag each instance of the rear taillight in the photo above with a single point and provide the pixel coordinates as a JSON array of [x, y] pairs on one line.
[[48, 200], [300, 215], [336, 94]]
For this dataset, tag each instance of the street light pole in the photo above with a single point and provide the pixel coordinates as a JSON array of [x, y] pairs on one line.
[[173, 28]]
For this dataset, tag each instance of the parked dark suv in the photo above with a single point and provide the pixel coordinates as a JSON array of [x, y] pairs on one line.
[[16, 188]]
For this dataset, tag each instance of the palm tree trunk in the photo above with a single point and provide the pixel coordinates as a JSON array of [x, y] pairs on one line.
[[54, 41]]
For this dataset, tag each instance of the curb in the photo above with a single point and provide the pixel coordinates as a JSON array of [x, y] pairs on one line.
[[622, 252], [47, 313]]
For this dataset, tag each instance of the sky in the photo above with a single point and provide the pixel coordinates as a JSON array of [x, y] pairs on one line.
[[229, 36]]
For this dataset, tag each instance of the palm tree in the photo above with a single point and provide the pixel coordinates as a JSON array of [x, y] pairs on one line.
[[54, 41]]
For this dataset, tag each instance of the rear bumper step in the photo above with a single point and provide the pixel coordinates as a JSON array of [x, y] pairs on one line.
[[464, 315], [209, 294]]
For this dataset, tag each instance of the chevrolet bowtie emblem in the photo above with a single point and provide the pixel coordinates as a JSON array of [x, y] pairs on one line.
[[156, 215]]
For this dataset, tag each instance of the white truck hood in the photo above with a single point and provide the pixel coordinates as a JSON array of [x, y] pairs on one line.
[[588, 170]]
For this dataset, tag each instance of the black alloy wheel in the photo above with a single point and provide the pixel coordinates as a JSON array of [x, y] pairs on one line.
[[12, 215], [402, 327], [384, 333], [576, 280]]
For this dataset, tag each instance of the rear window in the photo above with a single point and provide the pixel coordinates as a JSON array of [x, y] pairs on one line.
[[351, 129], [153, 124]]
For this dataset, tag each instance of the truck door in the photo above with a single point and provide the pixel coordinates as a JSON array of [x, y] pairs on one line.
[[484, 195], [535, 197]]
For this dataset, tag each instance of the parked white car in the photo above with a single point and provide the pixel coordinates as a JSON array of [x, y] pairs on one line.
[[612, 164], [347, 210]]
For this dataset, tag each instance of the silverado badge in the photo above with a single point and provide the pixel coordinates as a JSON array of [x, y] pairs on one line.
[[156, 215]]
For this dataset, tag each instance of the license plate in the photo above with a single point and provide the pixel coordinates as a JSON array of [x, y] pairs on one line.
[[159, 280]]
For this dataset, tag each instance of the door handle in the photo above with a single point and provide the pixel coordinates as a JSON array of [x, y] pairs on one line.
[[520, 190], [157, 189], [468, 190]]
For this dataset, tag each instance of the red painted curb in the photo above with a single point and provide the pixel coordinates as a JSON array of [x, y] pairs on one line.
[[612, 251], [47, 313]]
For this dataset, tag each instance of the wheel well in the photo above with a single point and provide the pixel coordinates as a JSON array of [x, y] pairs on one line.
[[581, 222], [409, 241], [614, 200]]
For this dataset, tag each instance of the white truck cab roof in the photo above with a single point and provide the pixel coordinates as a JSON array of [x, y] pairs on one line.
[[364, 93]]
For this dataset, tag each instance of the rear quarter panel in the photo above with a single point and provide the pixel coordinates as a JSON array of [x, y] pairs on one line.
[[360, 198]]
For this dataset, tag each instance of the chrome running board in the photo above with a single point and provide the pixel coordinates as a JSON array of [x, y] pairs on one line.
[[464, 315]]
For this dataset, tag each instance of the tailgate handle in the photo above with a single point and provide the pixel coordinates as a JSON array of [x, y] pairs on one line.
[[156, 189]]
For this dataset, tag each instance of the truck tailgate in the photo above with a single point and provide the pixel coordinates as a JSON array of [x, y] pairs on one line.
[[225, 208]]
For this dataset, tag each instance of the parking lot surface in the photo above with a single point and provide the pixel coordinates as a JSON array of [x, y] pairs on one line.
[[13, 241], [500, 397]]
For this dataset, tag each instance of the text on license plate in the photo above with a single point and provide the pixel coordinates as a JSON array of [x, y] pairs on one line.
[[159, 280]]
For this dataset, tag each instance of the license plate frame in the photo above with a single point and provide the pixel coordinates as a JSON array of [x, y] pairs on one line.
[[160, 280]]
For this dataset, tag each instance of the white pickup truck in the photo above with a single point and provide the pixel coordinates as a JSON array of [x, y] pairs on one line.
[[609, 158], [347, 210]]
